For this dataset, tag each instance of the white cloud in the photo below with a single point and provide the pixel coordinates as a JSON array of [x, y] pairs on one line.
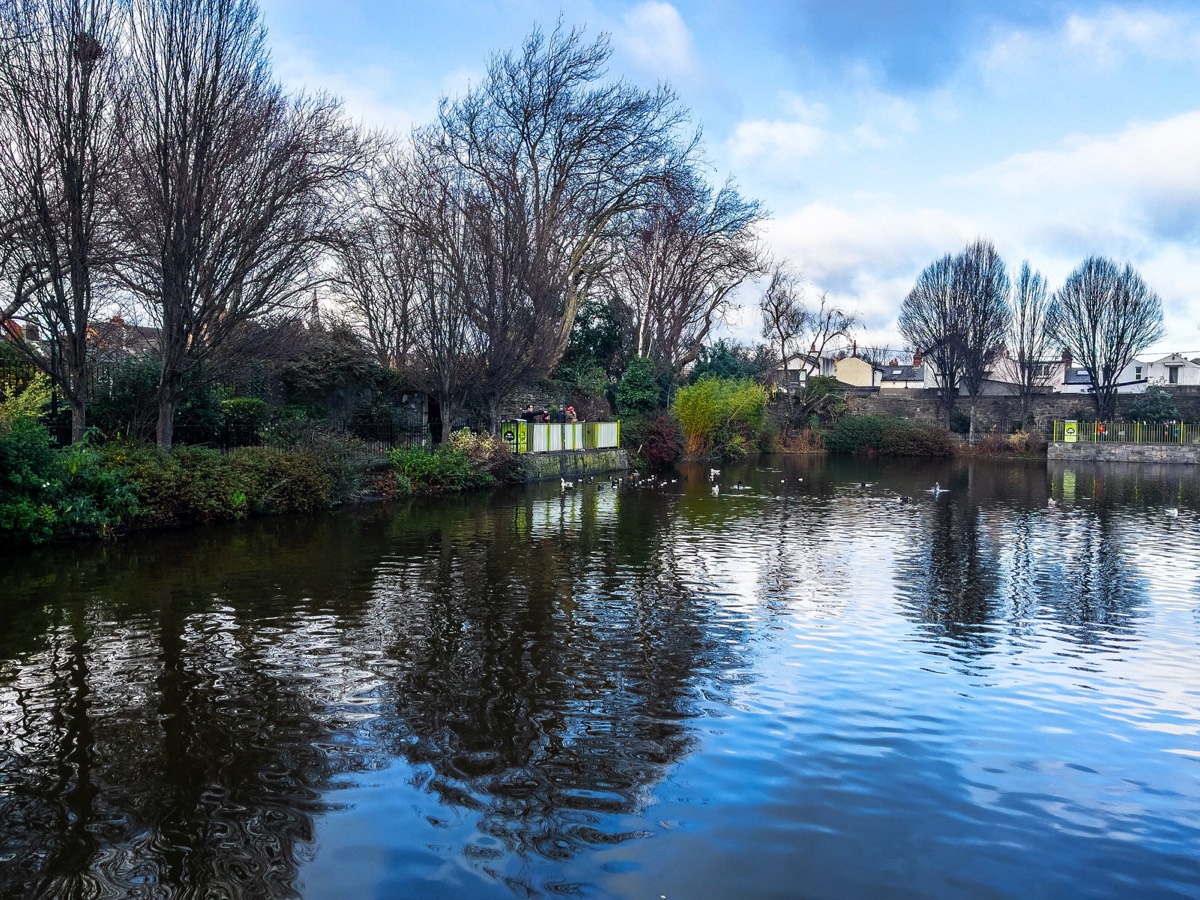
[[867, 260], [654, 34], [1100, 41], [370, 93], [1139, 186], [887, 118], [775, 146]]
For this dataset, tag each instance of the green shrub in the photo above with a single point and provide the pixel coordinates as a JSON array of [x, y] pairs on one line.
[[723, 417], [124, 399], [638, 392], [444, 469], [1019, 443], [855, 434], [1155, 405], [198, 487], [888, 436], [818, 402], [27, 402], [276, 481], [487, 454], [346, 457], [900, 437], [244, 412], [47, 494], [194, 484]]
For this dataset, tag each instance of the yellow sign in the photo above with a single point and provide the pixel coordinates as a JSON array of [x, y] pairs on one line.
[[1071, 431]]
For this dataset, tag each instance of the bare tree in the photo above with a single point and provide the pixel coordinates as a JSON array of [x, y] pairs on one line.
[[681, 259], [61, 87], [551, 155], [375, 276], [421, 196], [956, 316], [228, 203], [1104, 316], [823, 325], [930, 320], [982, 286], [783, 312], [1030, 342]]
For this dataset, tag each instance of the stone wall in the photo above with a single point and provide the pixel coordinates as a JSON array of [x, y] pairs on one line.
[[571, 464], [922, 405], [1088, 451]]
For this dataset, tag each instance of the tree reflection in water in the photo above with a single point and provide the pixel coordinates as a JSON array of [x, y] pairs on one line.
[[176, 711], [969, 569], [544, 681], [173, 717]]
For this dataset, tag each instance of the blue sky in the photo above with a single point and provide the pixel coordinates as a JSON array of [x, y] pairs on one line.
[[881, 134]]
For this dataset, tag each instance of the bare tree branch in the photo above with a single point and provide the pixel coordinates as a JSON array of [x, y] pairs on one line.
[[551, 156], [232, 188], [1030, 342], [956, 316], [680, 261], [1104, 316], [61, 89]]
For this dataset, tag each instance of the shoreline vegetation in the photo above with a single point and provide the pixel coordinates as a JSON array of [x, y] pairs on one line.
[[96, 489]]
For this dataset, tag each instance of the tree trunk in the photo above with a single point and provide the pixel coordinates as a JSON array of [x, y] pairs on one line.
[[78, 419], [168, 397], [76, 392], [494, 414]]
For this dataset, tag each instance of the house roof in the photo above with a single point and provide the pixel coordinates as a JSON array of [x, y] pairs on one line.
[[118, 335], [1076, 375], [1175, 359], [903, 373]]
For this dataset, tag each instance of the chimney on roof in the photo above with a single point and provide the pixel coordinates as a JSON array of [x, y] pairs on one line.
[[117, 320], [917, 360], [1066, 358]]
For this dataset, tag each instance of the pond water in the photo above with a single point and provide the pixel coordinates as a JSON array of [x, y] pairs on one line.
[[803, 687]]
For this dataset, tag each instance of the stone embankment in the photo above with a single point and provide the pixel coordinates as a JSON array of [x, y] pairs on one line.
[[571, 464], [1087, 451]]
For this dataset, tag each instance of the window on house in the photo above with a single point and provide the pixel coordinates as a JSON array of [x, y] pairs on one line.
[[1173, 374], [1137, 373]]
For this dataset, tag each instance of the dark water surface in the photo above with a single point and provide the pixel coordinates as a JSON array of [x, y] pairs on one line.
[[797, 689]]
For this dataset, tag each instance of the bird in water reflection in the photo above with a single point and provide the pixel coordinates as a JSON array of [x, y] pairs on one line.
[[937, 489]]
